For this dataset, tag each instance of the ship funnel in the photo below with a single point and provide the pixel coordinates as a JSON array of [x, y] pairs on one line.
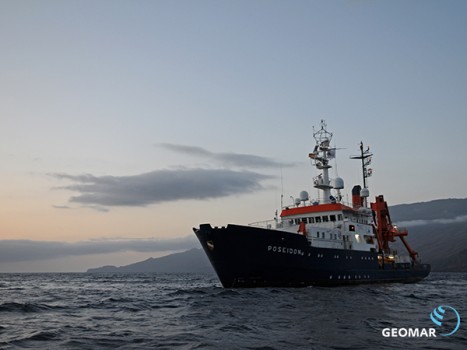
[[357, 200]]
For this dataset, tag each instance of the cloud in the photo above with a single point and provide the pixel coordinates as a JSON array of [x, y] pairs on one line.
[[411, 223], [27, 250], [61, 207], [160, 186], [230, 159]]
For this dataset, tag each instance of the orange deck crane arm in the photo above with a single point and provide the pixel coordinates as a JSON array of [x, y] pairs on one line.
[[385, 231]]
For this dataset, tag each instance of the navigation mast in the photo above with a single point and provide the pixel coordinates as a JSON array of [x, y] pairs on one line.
[[365, 156], [321, 155]]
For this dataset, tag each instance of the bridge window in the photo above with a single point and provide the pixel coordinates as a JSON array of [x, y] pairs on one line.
[[318, 219], [332, 218], [311, 220], [325, 218], [304, 220], [339, 217]]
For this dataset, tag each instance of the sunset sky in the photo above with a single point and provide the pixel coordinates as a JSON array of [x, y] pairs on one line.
[[123, 124]]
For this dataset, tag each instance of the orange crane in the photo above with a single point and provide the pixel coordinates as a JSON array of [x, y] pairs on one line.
[[385, 230]]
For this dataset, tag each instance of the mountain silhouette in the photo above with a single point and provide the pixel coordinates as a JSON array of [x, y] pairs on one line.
[[191, 261]]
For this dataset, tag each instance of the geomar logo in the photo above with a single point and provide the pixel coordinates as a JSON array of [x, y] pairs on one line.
[[439, 316], [445, 317]]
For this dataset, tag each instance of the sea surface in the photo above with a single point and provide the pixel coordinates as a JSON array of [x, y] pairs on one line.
[[190, 311]]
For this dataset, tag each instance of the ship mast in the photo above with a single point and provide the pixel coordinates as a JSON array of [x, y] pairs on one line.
[[365, 156], [321, 155]]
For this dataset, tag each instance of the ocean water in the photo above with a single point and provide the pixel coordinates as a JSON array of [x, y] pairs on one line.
[[189, 311]]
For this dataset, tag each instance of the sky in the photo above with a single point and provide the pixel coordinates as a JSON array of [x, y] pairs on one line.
[[123, 124]]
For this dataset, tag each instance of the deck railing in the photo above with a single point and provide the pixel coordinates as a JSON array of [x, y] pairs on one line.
[[264, 224]]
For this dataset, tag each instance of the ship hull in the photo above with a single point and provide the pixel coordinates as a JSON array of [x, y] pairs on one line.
[[245, 256]]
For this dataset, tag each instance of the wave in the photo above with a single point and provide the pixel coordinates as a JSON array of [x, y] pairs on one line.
[[27, 307]]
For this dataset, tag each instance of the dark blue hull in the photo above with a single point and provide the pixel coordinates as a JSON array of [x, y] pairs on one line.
[[245, 256]]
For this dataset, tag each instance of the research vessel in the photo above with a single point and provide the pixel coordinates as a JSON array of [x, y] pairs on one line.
[[324, 241]]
